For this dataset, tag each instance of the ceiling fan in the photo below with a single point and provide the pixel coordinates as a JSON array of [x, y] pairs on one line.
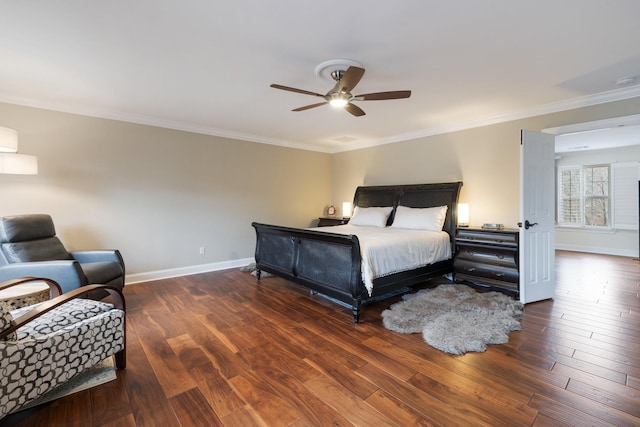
[[340, 95]]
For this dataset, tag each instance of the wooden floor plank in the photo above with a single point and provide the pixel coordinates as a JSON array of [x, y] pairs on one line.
[[272, 408], [192, 409], [426, 403], [217, 391], [453, 374], [125, 421], [354, 409], [343, 375], [148, 402], [110, 402], [169, 372], [357, 345], [281, 359], [290, 388], [563, 414], [243, 417], [623, 402], [477, 402], [401, 413]]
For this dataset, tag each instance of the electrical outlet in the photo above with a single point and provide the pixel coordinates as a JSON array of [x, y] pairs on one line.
[[201, 250]]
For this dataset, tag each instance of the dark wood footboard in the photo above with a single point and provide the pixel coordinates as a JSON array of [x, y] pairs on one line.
[[324, 262]]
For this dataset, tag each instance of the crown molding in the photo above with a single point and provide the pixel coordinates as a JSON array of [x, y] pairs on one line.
[[539, 110], [87, 111], [569, 104]]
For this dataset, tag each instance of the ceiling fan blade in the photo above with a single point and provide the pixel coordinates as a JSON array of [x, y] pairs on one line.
[[306, 107], [293, 89], [354, 109], [350, 79], [379, 96]]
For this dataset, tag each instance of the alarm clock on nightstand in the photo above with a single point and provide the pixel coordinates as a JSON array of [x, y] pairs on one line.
[[331, 210]]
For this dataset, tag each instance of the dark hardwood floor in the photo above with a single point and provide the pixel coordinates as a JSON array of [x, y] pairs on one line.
[[221, 349]]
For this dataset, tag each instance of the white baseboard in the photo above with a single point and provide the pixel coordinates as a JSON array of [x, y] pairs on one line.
[[598, 250], [185, 271], [225, 265]]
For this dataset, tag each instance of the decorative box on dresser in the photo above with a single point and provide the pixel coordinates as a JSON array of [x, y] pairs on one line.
[[488, 258]]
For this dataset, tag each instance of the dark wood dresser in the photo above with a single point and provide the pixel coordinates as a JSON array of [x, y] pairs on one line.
[[488, 258]]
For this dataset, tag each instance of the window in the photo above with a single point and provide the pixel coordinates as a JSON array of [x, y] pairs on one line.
[[570, 200], [599, 196], [596, 196], [583, 196]]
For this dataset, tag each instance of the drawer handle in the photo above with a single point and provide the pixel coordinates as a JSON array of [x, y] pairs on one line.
[[499, 274], [501, 256], [471, 269]]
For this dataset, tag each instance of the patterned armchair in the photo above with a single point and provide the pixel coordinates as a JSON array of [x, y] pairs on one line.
[[44, 345]]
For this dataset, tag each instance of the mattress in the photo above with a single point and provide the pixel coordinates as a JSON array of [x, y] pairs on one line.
[[389, 250]]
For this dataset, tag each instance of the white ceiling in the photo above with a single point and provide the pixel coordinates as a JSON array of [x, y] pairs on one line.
[[598, 139], [206, 65]]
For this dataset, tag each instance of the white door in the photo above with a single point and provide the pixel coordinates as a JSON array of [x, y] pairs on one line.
[[537, 216]]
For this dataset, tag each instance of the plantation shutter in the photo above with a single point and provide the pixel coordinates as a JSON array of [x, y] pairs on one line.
[[625, 195], [570, 196]]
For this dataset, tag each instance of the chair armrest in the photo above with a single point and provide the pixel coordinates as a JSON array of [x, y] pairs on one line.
[[102, 255], [116, 295], [67, 273], [54, 287]]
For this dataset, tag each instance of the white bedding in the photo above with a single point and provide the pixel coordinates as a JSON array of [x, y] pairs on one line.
[[388, 250]]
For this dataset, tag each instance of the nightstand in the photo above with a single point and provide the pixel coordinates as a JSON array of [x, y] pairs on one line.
[[488, 258], [330, 221]]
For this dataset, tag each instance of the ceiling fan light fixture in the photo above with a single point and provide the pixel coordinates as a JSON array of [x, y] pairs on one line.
[[338, 102], [338, 99]]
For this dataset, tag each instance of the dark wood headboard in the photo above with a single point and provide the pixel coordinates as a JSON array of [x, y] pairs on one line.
[[413, 196]]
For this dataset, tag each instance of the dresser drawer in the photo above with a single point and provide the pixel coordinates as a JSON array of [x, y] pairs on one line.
[[485, 271], [507, 257], [493, 238], [497, 285]]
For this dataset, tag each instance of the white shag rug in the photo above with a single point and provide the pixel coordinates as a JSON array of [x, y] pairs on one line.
[[455, 318]]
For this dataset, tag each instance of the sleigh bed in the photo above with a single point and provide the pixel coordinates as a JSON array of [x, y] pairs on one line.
[[331, 263]]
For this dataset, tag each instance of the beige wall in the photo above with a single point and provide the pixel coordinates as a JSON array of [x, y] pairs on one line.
[[486, 159], [461, 156], [157, 194]]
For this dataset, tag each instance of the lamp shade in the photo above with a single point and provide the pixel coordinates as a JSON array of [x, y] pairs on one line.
[[463, 214], [346, 210], [21, 164], [8, 140]]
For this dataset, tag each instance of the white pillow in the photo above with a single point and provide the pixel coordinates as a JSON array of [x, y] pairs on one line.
[[371, 217], [420, 218]]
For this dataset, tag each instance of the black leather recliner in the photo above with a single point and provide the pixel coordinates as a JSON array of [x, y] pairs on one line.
[[29, 247]]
